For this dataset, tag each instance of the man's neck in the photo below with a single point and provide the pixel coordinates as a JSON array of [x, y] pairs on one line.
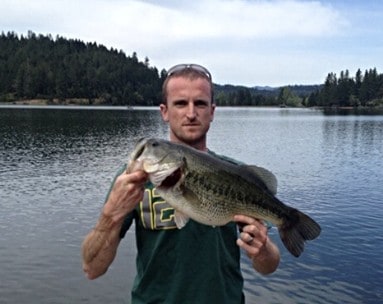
[[198, 145]]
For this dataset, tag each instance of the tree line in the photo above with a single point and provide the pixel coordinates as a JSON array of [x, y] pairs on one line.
[[42, 67], [365, 89]]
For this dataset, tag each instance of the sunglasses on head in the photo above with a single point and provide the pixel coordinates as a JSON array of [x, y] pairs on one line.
[[194, 67]]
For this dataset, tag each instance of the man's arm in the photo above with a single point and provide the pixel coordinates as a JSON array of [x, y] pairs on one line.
[[99, 247], [263, 253], [266, 261]]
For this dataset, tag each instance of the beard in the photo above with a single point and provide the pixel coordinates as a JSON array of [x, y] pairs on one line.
[[194, 138]]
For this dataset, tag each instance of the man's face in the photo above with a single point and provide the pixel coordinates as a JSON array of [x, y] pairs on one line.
[[188, 110]]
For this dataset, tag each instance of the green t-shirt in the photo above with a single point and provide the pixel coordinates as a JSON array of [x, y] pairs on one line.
[[196, 264]]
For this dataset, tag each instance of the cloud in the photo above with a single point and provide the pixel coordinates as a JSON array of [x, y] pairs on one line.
[[271, 19], [271, 42], [150, 23]]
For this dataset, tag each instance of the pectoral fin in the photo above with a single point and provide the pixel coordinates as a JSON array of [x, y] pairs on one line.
[[185, 197], [180, 219]]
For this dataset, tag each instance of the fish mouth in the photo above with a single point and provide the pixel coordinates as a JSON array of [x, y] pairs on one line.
[[172, 179], [164, 171], [134, 162], [164, 176]]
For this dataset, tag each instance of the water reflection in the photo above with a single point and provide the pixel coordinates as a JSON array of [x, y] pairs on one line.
[[56, 167], [39, 135], [353, 111]]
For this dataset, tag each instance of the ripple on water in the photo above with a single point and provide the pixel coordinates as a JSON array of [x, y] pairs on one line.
[[56, 168]]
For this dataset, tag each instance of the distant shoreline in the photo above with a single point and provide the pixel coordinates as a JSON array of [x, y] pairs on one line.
[[55, 101], [85, 102]]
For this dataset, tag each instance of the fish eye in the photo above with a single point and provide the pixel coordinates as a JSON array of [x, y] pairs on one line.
[[155, 144]]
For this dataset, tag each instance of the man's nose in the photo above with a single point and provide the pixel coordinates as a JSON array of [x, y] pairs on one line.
[[191, 111]]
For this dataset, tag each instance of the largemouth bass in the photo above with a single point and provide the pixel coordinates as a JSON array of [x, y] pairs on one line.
[[211, 191]]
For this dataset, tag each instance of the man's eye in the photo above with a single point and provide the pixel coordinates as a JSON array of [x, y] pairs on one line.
[[201, 103], [180, 103]]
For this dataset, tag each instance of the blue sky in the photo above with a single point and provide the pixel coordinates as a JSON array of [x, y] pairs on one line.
[[242, 42]]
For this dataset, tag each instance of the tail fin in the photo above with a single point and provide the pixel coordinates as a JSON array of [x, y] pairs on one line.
[[295, 232]]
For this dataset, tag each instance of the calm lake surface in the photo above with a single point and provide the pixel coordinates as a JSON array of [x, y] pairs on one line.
[[56, 166]]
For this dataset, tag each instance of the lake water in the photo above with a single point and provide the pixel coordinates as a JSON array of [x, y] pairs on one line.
[[56, 166]]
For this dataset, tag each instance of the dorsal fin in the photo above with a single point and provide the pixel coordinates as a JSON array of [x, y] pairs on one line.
[[267, 177]]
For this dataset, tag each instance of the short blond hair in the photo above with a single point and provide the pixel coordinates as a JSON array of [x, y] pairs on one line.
[[186, 73]]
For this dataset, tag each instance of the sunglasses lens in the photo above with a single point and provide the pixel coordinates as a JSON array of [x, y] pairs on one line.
[[195, 67]]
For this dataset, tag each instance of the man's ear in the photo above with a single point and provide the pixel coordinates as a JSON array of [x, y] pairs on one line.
[[164, 112], [212, 111]]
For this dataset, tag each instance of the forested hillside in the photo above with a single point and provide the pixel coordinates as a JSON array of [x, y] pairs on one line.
[[41, 67], [59, 69]]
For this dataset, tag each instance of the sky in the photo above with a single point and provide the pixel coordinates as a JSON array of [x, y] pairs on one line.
[[242, 42]]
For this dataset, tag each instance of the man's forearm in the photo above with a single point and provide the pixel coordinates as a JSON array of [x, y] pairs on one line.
[[100, 247], [268, 260]]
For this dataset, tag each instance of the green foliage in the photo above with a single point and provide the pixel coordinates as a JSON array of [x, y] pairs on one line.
[[42, 67], [345, 91], [229, 95], [45, 68], [288, 98]]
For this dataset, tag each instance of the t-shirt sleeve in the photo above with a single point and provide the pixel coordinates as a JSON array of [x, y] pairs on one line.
[[127, 223]]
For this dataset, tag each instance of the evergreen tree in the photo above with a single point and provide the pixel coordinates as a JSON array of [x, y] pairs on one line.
[[38, 66]]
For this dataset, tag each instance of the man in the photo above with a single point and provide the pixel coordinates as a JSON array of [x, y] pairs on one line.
[[195, 264]]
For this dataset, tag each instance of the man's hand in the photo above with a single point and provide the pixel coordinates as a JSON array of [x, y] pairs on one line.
[[127, 191], [253, 235], [254, 240]]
